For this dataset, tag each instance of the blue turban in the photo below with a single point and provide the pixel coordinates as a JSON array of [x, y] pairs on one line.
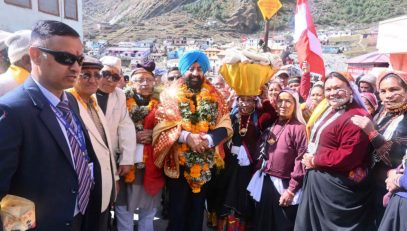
[[192, 57]]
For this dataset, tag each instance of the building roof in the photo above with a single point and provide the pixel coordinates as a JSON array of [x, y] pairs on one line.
[[370, 58], [211, 49]]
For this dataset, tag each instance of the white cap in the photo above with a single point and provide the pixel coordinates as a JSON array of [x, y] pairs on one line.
[[281, 71], [113, 62], [3, 36], [18, 44]]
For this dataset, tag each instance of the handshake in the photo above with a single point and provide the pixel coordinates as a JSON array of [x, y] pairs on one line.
[[198, 142]]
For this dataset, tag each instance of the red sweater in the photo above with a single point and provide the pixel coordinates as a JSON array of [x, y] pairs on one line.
[[343, 146], [305, 85]]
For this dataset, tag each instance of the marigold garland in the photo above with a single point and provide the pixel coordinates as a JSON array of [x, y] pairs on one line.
[[81, 101], [137, 115], [197, 119]]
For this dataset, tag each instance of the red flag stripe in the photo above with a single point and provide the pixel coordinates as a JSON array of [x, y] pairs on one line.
[[308, 45]]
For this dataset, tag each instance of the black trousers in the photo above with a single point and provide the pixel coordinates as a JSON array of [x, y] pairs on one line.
[[186, 208], [77, 222]]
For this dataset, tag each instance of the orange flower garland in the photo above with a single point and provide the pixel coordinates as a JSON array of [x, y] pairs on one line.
[[197, 119], [81, 101], [137, 114]]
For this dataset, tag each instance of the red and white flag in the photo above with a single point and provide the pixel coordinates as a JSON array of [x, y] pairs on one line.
[[306, 39]]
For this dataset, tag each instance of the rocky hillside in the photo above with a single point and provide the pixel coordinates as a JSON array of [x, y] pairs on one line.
[[137, 19]]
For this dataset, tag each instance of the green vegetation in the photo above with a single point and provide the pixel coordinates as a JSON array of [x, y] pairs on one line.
[[346, 12], [204, 9], [325, 12]]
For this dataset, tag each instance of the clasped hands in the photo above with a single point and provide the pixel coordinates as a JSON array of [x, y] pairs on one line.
[[145, 136], [286, 199], [198, 142], [308, 161]]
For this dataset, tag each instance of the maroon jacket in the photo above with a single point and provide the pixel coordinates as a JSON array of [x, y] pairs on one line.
[[285, 156], [343, 146]]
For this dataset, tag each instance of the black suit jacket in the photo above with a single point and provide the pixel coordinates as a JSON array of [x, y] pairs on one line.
[[35, 161]]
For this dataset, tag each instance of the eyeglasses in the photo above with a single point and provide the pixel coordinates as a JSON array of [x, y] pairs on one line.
[[62, 57], [88, 75], [143, 80], [109, 74]]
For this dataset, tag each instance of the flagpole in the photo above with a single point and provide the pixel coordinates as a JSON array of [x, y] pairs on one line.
[[266, 35], [268, 8]]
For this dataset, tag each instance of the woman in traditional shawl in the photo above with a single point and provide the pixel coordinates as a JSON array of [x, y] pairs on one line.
[[235, 206], [248, 117], [274, 88], [276, 187], [370, 101], [337, 190], [388, 138]]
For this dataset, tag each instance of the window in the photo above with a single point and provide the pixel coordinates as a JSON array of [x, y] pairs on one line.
[[71, 9], [49, 7], [20, 3]]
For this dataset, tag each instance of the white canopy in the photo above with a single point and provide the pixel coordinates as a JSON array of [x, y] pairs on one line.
[[392, 39]]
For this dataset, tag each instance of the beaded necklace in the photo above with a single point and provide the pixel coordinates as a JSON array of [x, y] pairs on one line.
[[243, 130], [396, 112], [275, 137]]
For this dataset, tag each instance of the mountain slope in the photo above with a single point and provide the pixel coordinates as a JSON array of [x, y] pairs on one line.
[[153, 18]]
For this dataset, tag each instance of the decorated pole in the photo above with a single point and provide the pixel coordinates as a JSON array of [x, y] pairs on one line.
[[266, 35], [268, 9]]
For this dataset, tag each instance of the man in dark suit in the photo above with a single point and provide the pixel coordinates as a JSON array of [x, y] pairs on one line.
[[45, 152]]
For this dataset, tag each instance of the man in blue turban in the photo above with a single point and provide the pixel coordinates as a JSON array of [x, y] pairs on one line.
[[193, 66], [185, 143]]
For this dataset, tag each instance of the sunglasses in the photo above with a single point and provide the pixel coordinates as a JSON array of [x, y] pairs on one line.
[[113, 77], [88, 75], [62, 57]]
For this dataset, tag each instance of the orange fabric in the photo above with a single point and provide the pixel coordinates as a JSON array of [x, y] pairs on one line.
[[399, 61], [402, 75]]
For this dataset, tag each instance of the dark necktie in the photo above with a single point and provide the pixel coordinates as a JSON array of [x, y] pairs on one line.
[[81, 164]]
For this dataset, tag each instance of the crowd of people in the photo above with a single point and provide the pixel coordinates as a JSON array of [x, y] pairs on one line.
[[250, 150]]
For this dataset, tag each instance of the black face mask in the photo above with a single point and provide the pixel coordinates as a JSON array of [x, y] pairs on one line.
[[196, 86]]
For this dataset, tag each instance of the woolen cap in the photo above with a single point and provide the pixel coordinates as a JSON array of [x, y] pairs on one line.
[[90, 62], [18, 44]]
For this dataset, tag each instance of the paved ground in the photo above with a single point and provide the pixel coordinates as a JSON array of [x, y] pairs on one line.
[[161, 224]]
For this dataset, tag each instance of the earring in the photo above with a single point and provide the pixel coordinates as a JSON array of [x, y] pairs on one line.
[[351, 99]]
